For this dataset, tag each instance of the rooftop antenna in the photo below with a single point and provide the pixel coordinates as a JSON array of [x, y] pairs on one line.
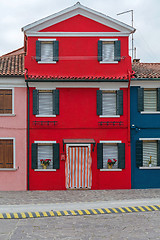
[[132, 26]]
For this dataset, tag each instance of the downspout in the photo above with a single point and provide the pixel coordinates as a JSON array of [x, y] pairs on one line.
[[28, 104], [129, 84]]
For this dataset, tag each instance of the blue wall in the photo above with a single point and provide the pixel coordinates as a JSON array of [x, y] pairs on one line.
[[145, 126]]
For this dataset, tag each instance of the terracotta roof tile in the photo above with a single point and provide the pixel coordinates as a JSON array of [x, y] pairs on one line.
[[146, 70]]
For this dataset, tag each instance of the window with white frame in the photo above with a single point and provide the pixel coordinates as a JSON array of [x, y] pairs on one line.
[[45, 154], [47, 51], [109, 50], [148, 100], [6, 101], [6, 153]]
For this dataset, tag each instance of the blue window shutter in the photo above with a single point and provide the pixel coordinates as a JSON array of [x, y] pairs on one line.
[[158, 153], [38, 51], [117, 51], [121, 155], [99, 50], [158, 99], [56, 155], [139, 153], [34, 155], [99, 155], [99, 102], [120, 102], [35, 102], [56, 102], [55, 50], [140, 99]]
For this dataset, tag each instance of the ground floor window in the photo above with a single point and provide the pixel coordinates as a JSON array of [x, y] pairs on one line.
[[6, 153]]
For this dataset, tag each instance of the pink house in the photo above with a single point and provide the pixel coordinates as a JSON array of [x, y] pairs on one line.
[[13, 122]]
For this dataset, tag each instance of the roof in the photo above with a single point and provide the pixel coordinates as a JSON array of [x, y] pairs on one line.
[[146, 70], [12, 64], [73, 11]]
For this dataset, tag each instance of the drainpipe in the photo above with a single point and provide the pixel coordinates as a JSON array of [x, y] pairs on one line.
[[129, 83], [28, 104]]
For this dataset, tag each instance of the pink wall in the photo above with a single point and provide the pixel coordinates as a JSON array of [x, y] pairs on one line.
[[16, 127]]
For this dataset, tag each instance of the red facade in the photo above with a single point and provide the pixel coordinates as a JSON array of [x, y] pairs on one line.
[[78, 75]]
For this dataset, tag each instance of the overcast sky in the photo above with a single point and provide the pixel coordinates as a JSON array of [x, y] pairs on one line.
[[15, 14]]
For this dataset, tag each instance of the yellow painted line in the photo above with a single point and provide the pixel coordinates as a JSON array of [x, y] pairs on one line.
[[73, 212], [156, 209], [23, 215], [8, 215], [52, 214], [37, 214], [100, 210], [94, 211], [45, 214], [1, 215], [122, 210], [149, 209], [80, 212], [135, 209], [88, 213], [30, 214], [66, 213], [107, 210], [141, 208], [15, 215], [114, 210], [128, 209], [58, 213]]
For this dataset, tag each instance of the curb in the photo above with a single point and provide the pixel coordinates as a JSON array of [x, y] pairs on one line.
[[97, 211]]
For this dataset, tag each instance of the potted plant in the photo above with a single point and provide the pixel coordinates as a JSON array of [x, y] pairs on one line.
[[111, 163], [45, 163]]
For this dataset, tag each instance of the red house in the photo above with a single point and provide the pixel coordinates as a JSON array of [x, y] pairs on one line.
[[78, 76]]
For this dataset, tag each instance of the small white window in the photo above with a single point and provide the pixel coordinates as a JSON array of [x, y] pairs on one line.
[[45, 152], [149, 153], [150, 100], [109, 103], [108, 51], [110, 156], [46, 51], [45, 103]]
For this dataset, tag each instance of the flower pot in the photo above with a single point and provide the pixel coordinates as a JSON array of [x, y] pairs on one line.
[[44, 166], [110, 166]]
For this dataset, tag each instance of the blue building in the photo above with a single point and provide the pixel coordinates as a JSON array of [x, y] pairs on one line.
[[145, 125]]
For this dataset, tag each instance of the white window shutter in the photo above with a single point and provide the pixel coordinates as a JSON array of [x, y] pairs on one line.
[[108, 52], [45, 152], [46, 52], [109, 103], [110, 152], [45, 103], [149, 149], [150, 100]]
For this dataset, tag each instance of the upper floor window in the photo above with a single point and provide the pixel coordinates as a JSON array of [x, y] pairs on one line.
[[5, 101], [47, 51], [6, 153], [109, 51], [45, 102], [148, 100], [109, 103]]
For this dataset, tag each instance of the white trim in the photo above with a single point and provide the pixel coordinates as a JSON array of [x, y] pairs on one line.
[[45, 170], [111, 89], [47, 89], [44, 141], [149, 139], [108, 62], [7, 115], [149, 168], [109, 116], [111, 170], [14, 151], [77, 34], [45, 115], [117, 141], [46, 39], [8, 169], [51, 62], [158, 112], [108, 39]]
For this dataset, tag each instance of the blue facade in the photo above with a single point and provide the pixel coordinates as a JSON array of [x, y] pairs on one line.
[[143, 126]]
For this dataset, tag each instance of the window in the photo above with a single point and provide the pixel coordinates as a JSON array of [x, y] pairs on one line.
[[45, 151], [148, 153], [5, 101], [109, 103], [47, 51], [46, 102], [6, 153], [110, 155], [109, 51], [148, 100]]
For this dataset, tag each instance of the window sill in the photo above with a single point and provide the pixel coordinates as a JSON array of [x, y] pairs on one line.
[[111, 170], [149, 168], [7, 115], [41, 62], [109, 116], [9, 169], [45, 115], [158, 112], [114, 62], [45, 170]]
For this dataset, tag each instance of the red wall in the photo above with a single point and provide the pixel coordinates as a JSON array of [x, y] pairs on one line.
[[78, 119]]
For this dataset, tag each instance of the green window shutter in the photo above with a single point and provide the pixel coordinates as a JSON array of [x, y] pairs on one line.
[[34, 155], [158, 99], [139, 153], [121, 155], [117, 51], [56, 155], [35, 102], [120, 102], [99, 155], [55, 51], [99, 102], [158, 153], [99, 50], [140, 99], [38, 51], [56, 102]]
